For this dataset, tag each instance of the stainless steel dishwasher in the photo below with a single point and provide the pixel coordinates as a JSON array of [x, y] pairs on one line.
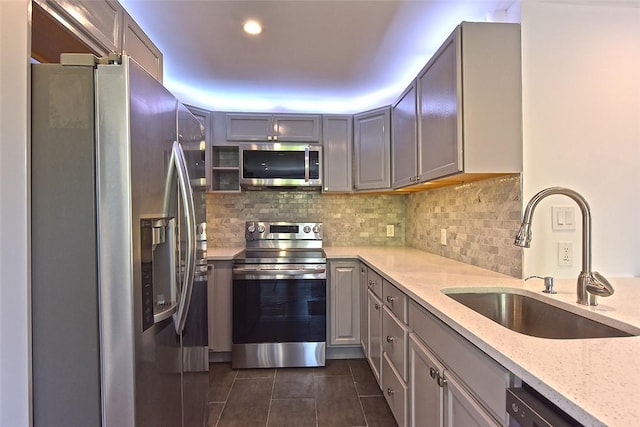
[[527, 408]]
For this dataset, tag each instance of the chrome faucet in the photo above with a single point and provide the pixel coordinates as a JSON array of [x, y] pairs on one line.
[[590, 283]]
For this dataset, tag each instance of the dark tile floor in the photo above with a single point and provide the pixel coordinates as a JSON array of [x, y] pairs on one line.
[[342, 394]]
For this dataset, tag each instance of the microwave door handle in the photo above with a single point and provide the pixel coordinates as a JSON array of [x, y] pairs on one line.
[[178, 167], [306, 164]]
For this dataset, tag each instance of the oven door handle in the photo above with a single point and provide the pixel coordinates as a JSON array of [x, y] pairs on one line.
[[276, 271]]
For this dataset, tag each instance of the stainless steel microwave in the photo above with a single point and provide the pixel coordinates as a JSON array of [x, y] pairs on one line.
[[280, 166]]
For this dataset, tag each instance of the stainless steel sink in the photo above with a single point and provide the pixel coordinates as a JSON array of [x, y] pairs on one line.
[[529, 316]]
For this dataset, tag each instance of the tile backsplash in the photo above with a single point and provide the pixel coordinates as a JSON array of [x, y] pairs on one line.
[[481, 219], [348, 220]]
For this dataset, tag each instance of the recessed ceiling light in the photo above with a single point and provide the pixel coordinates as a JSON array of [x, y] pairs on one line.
[[252, 27]]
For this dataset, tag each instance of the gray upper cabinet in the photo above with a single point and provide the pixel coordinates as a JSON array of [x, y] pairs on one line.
[[337, 143], [140, 47], [96, 23], [469, 103], [404, 139], [103, 26], [372, 149], [273, 127]]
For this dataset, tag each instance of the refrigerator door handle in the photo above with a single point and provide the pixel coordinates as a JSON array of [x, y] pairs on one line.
[[178, 167]]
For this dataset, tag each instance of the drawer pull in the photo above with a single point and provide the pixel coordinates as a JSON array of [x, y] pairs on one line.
[[389, 339], [441, 380], [390, 298], [389, 392]]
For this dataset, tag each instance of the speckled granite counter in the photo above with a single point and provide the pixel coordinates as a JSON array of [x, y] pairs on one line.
[[222, 254], [597, 381]]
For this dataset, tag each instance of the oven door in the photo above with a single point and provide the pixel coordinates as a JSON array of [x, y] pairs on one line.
[[278, 322]]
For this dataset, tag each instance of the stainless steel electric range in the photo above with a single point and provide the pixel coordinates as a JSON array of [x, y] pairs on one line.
[[279, 296]]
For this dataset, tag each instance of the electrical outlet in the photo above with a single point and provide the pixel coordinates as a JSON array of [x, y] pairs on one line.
[[390, 230], [565, 254], [443, 236]]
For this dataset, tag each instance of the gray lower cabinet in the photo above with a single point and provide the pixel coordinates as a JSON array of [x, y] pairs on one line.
[[219, 305], [470, 103], [473, 385], [426, 395], [394, 351], [437, 397], [344, 303], [337, 143], [364, 299], [372, 149], [374, 334], [430, 376]]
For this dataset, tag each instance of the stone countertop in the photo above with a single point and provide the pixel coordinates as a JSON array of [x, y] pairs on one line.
[[223, 254], [596, 381]]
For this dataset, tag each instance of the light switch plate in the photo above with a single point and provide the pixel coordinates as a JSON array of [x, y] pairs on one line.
[[563, 218]]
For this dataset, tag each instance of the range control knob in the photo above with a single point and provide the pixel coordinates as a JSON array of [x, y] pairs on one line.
[[316, 229], [260, 228], [306, 229], [251, 228]]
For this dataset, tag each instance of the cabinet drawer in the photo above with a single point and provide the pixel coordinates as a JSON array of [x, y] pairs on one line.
[[394, 341], [395, 391], [482, 375], [374, 282], [393, 298]]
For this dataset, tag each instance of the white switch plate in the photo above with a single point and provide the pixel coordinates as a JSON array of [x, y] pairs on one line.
[[565, 254], [390, 230], [563, 218], [443, 236]]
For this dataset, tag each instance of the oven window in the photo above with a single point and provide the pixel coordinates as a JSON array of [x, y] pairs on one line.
[[279, 310]]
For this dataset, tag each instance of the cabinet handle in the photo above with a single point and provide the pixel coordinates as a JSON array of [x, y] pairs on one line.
[[390, 299], [441, 380], [269, 138], [377, 306], [370, 283], [275, 137], [389, 392], [433, 372], [389, 339]]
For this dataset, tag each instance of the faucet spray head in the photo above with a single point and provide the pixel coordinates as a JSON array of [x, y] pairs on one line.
[[523, 238]]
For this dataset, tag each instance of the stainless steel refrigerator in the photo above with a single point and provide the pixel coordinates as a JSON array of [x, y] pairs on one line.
[[118, 249]]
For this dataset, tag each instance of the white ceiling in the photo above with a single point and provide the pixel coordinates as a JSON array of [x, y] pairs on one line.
[[325, 56]]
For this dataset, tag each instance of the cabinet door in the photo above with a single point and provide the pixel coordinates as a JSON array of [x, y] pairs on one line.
[[337, 139], [344, 303], [374, 319], [462, 410], [404, 139], [372, 141], [296, 128], [364, 303], [395, 391], [219, 306], [394, 341], [140, 47], [440, 128], [426, 396], [97, 23], [249, 127]]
